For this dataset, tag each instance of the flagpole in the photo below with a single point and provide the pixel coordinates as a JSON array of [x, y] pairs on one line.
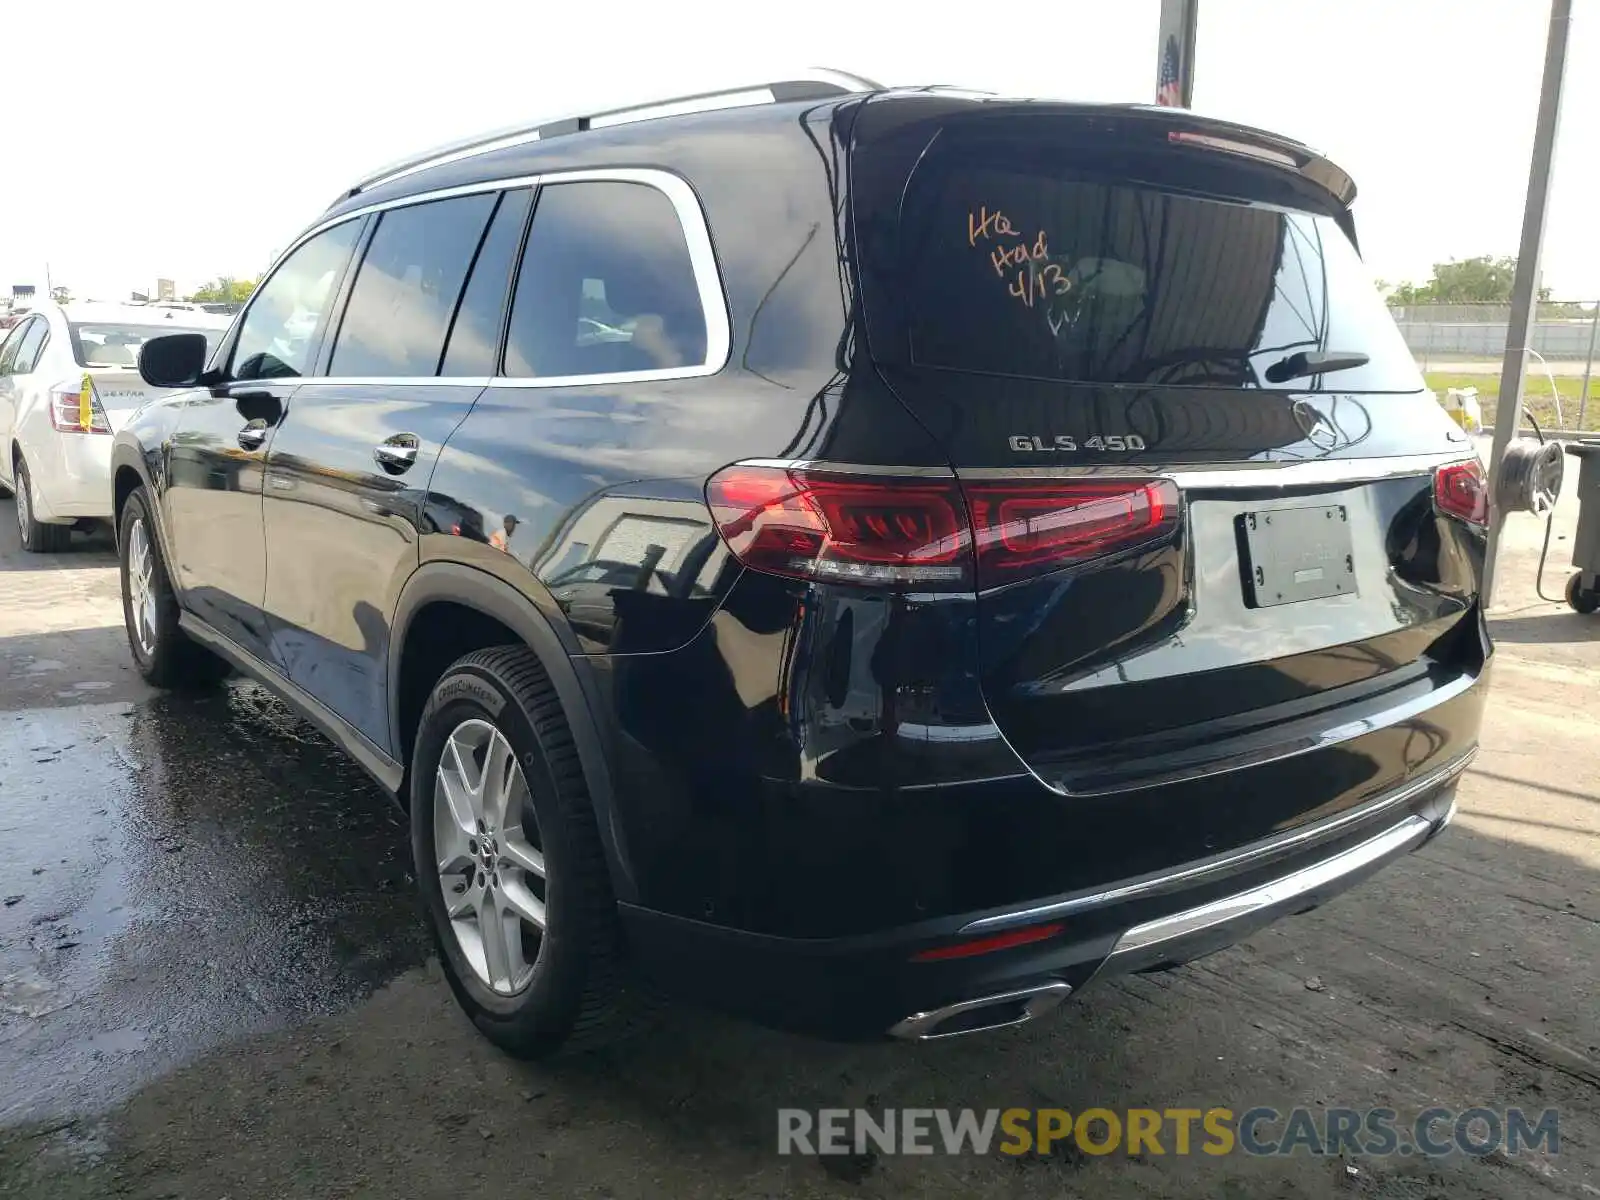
[[1175, 45], [1524, 288]]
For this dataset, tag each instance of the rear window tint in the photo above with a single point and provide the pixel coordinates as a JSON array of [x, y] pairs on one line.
[[99, 344], [1027, 268]]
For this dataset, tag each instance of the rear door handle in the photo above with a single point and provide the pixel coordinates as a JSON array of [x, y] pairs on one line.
[[254, 434], [397, 454]]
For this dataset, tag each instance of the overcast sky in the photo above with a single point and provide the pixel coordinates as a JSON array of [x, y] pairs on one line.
[[190, 139]]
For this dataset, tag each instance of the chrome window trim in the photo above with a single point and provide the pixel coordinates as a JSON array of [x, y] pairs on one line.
[[477, 381], [691, 220], [702, 259]]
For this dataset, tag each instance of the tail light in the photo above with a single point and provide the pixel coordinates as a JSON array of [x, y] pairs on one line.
[[861, 529], [78, 410], [1023, 528], [1462, 490], [933, 534]]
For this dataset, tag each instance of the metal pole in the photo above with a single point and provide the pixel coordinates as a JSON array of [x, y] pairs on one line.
[[1588, 365], [1175, 53], [1525, 288]]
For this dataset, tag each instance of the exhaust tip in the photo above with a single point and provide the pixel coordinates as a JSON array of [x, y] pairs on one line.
[[999, 1011]]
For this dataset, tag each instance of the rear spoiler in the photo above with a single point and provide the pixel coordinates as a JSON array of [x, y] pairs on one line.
[[1227, 138], [1208, 134], [1181, 126], [1261, 146]]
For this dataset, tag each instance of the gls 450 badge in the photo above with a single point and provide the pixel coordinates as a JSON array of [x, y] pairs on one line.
[[1062, 443]]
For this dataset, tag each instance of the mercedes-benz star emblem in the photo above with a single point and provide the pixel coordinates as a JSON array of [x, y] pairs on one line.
[[1314, 423]]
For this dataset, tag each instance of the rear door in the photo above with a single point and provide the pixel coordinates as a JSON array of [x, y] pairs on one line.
[[221, 437], [1197, 551], [350, 463], [27, 418], [9, 391]]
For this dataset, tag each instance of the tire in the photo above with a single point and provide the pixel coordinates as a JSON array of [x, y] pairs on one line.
[[562, 987], [37, 536], [1578, 599], [164, 655]]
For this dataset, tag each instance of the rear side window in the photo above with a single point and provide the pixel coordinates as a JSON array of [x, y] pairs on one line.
[[8, 348], [407, 287], [31, 346], [1024, 267], [606, 286], [277, 338], [475, 337]]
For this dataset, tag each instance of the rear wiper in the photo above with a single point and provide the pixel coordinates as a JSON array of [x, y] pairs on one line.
[[1298, 366]]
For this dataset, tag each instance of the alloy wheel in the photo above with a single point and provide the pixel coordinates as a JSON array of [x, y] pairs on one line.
[[491, 866], [141, 587]]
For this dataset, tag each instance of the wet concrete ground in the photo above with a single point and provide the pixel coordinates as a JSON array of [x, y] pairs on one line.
[[213, 983], [175, 872]]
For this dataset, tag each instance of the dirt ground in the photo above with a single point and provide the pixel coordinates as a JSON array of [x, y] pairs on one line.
[[1464, 975]]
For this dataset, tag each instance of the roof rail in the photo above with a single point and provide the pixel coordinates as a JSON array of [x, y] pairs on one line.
[[818, 84]]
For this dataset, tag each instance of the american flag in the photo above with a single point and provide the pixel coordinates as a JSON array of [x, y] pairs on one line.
[[1168, 87]]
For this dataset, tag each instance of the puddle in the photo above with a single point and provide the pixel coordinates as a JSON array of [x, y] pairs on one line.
[[177, 873]]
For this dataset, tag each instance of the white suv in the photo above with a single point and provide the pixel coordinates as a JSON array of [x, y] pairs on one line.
[[67, 377]]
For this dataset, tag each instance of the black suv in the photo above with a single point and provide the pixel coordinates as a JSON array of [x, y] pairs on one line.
[[867, 559]]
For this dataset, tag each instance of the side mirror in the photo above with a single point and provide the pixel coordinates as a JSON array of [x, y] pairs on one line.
[[174, 360]]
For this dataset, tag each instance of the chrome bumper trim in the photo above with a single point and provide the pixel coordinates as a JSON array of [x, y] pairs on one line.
[[1194, 931], [1224, 864]]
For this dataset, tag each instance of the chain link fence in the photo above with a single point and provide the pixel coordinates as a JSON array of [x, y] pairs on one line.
[[1463, 345]]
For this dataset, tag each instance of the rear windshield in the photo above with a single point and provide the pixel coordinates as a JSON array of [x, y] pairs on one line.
[[117, 345], [1026, 267]]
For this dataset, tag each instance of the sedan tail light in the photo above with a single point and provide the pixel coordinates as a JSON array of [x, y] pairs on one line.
[[932, 534], [1462, 490], [77, 409]]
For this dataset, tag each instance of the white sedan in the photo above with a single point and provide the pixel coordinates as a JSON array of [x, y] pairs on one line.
[[69, 377]]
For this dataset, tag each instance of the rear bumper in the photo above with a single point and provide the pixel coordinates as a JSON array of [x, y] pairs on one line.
[[867, 987], [1193, 932], [71, 475]]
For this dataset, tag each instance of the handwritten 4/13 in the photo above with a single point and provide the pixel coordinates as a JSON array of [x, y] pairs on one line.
[[1019, 261]]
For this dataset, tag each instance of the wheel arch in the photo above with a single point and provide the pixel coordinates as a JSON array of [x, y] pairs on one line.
[[125, 480], [16, 453], [128, 473], [437, 585]]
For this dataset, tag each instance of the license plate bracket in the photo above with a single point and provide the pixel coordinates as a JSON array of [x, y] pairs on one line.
[[1294, 554]]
